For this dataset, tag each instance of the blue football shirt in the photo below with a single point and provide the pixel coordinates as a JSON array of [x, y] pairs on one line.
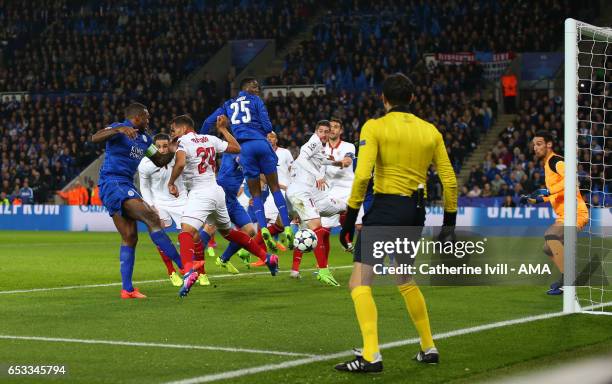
[[123, 155], [248, 117]]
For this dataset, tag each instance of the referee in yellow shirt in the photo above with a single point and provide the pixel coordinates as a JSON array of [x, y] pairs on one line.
[[399, 147]]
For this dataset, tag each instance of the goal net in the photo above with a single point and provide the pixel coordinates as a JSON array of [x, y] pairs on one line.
[[588, 167]]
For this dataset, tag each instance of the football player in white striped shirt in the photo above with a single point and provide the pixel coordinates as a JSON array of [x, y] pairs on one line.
[[195, 159], [309, 200]]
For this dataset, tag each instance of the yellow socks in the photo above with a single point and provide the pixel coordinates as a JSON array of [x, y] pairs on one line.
[[367, 316], [415, 302]]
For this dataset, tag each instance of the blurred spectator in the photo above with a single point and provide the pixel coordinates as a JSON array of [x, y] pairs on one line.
[[76, 194], [94, 194], [496, 184], [474, 192], [509, 202], [26, 194], [4, 199], [487, 191]]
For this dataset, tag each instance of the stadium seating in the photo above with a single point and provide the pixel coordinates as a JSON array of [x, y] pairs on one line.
[[360, 41], [91, 60]]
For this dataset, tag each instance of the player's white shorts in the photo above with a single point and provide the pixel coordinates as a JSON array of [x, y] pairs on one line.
[[206, 206], [340, 194], [171, 210], [310, 203], [243, 199]]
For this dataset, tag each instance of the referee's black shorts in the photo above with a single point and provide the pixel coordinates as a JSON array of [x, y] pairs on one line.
[[391, 211]]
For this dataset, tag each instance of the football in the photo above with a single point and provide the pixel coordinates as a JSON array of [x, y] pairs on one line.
[[305, 240]]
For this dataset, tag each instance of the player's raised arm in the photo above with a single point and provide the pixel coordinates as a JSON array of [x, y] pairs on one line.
[[368, 150], [263, 116], [109, 132], [448, 179], [211, 121], [179, 165], [222, 123]]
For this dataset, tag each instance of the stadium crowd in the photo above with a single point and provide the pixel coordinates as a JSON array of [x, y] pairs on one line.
[[92, 59], [442, 98], [359, 42], [132, 46]]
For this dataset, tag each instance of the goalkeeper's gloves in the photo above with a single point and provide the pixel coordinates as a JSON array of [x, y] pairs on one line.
[[447, 233], [348, 228], [541, 192], [534, 198]]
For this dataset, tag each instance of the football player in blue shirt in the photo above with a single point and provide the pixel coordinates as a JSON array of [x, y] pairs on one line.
[[126, 144], [250, 125]]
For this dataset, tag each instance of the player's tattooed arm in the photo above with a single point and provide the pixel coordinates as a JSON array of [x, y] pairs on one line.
[[223, 128], [179, 165], [331, 161], [348, 160], [106, 133]]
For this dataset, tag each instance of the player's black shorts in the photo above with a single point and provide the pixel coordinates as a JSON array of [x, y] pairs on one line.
[[392, 211]]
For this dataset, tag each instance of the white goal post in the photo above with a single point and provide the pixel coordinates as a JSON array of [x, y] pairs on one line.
[[588, 88]]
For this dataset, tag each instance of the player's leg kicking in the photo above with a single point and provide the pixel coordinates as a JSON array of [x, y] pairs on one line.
[[304, 203], [126, 208], [209, 205], [241, 219], [275, 223], [167, 214]]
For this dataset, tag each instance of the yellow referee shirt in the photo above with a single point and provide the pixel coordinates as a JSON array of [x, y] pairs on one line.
[[400, 147]]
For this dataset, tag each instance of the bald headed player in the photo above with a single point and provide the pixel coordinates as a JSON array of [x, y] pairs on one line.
[[554, 177]]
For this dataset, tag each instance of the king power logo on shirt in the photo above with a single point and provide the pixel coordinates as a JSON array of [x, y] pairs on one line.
[[36, 209], [136, 153]]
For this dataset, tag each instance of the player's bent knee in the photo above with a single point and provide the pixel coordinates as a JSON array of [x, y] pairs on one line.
[[130, 239], [189, 229], [151, 219], [249, 229], [314, 223]]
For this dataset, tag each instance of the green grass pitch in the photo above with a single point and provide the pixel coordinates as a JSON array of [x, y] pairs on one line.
[[235, 322]]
